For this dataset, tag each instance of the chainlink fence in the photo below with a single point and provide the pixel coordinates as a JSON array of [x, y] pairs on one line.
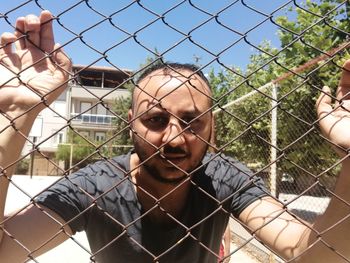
[[264, 107]]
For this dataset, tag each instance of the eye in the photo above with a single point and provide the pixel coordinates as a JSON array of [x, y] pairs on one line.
[[157, 122], [190, 121], [158, 119], [187, 119]]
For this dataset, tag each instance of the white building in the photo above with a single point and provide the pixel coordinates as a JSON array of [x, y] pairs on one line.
[[83, 106]]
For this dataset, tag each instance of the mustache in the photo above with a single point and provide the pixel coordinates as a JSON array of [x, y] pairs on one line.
[[173, 150]]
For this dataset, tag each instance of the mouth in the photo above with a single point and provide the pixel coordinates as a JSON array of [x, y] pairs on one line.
[[173, 158], [174, 155]]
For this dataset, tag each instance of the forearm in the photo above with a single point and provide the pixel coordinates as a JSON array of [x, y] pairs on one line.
[[12, 139], [13, 135], [331, 232]]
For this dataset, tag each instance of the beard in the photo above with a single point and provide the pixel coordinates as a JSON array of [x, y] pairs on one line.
[[154, 165]]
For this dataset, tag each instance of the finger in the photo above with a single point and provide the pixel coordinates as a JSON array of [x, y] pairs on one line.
[[19, 33], [62, 59], [324, 102], [343, 91], [6, 41], [47, 41], [7, 60], [324, 109], [32, 29], [61, 71]]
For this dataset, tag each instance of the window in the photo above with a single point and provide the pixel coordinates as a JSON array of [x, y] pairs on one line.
[[85, 107], [85, 134], [100, 136], [101, 110], [57, 138]]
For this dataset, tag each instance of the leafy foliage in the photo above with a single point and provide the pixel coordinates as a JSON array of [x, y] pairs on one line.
[[120, 137], [79, 151], [243, 129]]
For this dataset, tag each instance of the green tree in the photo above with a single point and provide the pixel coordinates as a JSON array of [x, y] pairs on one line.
[[78, 150], [306, 33], [319, 30], [119, 136]]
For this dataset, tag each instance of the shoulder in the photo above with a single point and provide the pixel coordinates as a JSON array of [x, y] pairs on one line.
[[222, 166], [97, 176], [225, 175], [221, 173], [114, 167]]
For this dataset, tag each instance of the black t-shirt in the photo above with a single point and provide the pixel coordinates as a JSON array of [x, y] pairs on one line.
[[101, 200]]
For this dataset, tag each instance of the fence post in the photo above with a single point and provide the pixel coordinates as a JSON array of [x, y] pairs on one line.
[[71, 158], [273, 156], [32, 156]]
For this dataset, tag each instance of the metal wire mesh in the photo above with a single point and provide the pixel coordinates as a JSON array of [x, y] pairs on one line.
[[263, 107]]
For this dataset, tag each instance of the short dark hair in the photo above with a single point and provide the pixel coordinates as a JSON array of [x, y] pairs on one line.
[[174, 66], [168, 66]]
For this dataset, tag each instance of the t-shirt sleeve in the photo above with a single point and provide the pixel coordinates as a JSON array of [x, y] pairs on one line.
[[234, 182], [68, 198], [249, 188]]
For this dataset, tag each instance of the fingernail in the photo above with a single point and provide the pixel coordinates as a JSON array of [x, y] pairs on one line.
[[326, 88]]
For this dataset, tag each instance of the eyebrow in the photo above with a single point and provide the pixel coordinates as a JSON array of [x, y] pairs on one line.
[[194, 112], [157, 107]]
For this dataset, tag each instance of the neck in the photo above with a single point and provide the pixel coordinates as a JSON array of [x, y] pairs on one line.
[[159, 198]]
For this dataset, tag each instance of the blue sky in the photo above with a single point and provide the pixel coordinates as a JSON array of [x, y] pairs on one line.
[[209, 39]]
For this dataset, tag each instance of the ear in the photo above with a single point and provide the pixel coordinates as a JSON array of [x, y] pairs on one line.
[[130, 116], [212, 138]]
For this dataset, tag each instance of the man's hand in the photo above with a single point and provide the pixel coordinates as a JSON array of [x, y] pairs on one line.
[[33, 71], [33, 68], [335, 120]]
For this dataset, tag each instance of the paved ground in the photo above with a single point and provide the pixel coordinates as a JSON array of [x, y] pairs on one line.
[[241, 256], [71, 251]]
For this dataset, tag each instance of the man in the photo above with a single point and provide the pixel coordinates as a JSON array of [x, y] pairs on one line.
[[167, 200]]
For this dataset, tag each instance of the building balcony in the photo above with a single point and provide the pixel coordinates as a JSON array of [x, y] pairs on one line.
[[92, 119], [95, 93]]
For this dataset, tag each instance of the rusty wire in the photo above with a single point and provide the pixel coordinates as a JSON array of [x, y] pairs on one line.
[[301, 75]]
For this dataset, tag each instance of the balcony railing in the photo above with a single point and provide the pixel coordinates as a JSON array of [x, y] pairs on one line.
[[92, 118]]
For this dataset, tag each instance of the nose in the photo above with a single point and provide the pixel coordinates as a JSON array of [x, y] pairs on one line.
[[173, 135]]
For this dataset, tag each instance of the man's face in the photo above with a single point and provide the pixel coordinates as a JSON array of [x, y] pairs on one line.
[[171, 123]]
